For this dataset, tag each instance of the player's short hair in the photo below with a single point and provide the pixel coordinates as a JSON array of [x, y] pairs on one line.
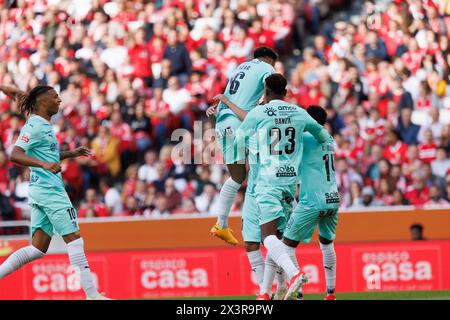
[[318, 113], [276, 84], [265, 52]]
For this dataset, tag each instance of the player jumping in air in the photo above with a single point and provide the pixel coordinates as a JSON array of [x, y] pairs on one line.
[[51, 208], [276, 130], [244, 88], [318, 202]]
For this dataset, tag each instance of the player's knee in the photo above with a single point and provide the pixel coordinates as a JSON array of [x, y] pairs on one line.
[[71, 237], [324, 240], [290, 243], [251, 246]]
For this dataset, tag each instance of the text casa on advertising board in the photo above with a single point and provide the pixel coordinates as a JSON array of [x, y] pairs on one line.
[[225, 271]]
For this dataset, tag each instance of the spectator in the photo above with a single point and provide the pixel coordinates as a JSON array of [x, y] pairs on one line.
[[7, 211], [173, 196], [176, 52], [207, 201], [72, 175], [113, 200], [441, 165], [435, 126], [435, 197], [178, 100], [131, 207], [106, 152], [147, 171], [407, 129], [398, 199], [430, 178], [418, 193], [92, 206], [395, 149], [161, 206], [187, 206], [416, 232], [367, 199]]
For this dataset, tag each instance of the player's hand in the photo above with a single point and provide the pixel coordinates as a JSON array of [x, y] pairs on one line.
[[220, 97], [52, 166], [211, 111], [81, 151]]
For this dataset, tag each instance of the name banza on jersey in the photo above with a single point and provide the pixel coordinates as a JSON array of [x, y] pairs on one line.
[[246, 85], [278, 127], [318, 187]]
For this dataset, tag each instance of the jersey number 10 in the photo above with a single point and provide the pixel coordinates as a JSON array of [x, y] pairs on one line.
[[327, 159]]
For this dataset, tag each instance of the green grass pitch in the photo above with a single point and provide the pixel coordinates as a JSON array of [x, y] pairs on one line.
[[397, 295]]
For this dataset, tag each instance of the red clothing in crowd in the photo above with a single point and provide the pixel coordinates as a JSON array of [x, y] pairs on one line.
[[427, 152], [396, 154], [417, 197], [99, 208], [124, 134], [140, 60]]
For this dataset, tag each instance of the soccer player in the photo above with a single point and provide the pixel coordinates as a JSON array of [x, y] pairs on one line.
[[276, 135], [51, 208], [318, 203], [244, 88]]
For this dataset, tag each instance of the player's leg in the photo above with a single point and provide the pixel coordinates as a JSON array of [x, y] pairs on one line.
[[64, 220], [41, 232], [300, 228], [272, 215], [228, 192], [252, 238], [77, 258], [327, 233], [226, 129]]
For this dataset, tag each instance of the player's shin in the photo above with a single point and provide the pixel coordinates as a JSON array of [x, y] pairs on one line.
[[18, 259], [329, 265], [226, 200], [270, 269], [78, 260], [257, 264], [277, 252]]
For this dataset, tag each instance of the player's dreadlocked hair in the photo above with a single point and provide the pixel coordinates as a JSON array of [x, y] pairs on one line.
[[28, 103]]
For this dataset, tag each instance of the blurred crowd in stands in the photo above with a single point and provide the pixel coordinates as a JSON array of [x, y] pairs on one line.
[[131, 72]]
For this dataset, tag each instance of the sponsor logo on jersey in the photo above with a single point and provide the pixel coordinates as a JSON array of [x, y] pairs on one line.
[[332, 197], [285, 171], [34, 178], [25, 138], [271, 112]]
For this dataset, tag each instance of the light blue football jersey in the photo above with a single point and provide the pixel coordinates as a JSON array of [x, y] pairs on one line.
[[318, 188], [278, 127], [245, 86], [38, 140]]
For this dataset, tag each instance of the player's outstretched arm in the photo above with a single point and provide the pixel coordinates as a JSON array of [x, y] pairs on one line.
[[12, 92], [19, 156], [78, 152], [313, 127], [238, 111]]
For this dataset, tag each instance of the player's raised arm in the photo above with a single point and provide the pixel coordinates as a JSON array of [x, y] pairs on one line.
[[12, 92], [316, 129], [237, 110]]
